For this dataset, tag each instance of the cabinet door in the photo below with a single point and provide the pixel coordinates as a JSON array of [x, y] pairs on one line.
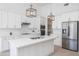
[[14, 20], [0, 45], [0, 19], [58, 40], [18, 21], [5, 44], [11, 20], [4, 19], [36, 24]]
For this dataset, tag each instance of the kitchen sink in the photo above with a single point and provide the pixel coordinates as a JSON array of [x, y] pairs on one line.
[[35, 38]]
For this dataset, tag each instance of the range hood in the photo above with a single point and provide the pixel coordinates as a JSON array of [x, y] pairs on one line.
[[24, 23]]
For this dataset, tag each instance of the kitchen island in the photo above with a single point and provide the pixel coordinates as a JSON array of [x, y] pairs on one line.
[[32, 47]]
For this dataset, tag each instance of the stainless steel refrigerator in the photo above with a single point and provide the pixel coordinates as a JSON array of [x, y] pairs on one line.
[[70, 35]]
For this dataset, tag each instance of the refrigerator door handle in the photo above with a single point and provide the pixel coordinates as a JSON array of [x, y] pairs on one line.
[[68, 31]]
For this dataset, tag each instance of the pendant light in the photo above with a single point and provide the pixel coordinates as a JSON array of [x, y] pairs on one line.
[[51, 16], [31, 12]]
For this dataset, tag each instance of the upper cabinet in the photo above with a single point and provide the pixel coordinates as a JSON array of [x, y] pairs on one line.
[[18, 21], [14, 21], [0, 20], [72, 16], [9, 20], [4, 19]]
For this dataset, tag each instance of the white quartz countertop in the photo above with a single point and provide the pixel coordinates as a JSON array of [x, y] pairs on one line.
[[21, 42]]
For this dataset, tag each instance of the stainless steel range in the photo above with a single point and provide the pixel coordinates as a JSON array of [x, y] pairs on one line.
[[70, 35]]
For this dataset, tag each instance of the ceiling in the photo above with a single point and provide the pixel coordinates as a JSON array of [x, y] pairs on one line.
[[42, 4], [59, 8], [20, 8]]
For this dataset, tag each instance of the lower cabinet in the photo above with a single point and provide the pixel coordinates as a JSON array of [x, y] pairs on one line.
[[58, 40], [5, 44]]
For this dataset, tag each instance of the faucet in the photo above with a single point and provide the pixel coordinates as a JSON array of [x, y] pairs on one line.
[[11, 33]]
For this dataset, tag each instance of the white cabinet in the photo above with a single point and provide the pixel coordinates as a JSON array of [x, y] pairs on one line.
[[43, 20], [5, 44], [14, 21], [0, 44], [18, 21], [9, 20], [58, 40], [72, 16], [4, 19], [36, 24], [0, 20]]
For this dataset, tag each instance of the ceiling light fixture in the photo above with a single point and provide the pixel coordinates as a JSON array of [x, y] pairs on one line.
[[31, 12], [51, 16]]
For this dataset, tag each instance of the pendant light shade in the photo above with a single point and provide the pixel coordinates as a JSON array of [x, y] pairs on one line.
[[51, 16], [31, 12]]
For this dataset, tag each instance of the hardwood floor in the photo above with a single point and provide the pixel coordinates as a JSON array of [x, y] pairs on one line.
[[63, 52], [58, 52]]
